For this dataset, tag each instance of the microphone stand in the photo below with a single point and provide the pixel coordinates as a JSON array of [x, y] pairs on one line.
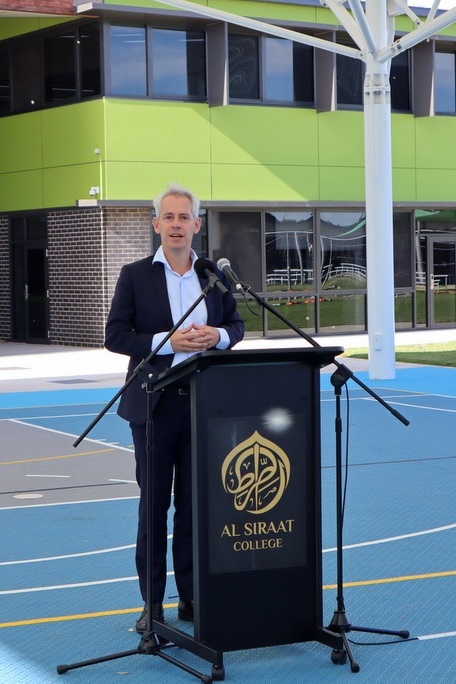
[[339, 623], [157, 634]]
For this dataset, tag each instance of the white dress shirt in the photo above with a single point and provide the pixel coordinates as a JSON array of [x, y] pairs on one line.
[[183, 291]]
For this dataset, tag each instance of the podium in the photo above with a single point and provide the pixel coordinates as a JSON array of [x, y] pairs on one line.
[[256, 486]]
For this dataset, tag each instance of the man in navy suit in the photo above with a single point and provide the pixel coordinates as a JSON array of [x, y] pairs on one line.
[[151, 296]]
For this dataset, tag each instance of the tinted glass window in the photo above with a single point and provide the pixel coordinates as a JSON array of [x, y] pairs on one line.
[[4, 82], [178, 63], [59, 67], [350, 75], [128, 61], [342, 250], [402, 231], [288, 71], [289, 251], [400, 82], [244, 67], [303, 70], [27, 76], [89, 46]]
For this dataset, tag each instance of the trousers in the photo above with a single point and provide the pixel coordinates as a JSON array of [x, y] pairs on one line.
[[171, 475]]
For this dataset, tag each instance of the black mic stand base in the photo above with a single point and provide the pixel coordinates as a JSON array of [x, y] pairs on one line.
[[340, 625], [152, 644]]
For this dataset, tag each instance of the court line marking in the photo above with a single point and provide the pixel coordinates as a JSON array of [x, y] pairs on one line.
[[80, 616], [74, 585], [416, 406], [68, 434], [70, 503], [391, 580], [409, 535], [54, 458], [45, 559], [113, 549], [57, 415]]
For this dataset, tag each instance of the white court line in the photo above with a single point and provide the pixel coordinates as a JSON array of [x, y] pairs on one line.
[[68, 555], [130, 546], [69, 434], [436, 636], [424, 408], [69, 503], [386, 540], [32, 475], [56, 416], [49, 406], [77, 585]]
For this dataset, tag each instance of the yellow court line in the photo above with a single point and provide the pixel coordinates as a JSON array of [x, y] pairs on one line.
[[53, 458], [389, 580], [124, 611], [81, 616]]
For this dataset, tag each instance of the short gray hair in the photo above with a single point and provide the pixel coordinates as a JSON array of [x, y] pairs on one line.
[[176, 189]]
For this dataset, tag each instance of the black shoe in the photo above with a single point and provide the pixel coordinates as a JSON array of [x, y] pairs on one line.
[[157, 614], [185, 611]]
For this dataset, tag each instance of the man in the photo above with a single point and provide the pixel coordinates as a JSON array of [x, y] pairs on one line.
[[151, 296]]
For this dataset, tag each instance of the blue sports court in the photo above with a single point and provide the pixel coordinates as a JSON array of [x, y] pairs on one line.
[[68, 518]]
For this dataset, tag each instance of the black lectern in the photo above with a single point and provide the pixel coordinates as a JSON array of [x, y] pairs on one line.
[[256, 495]]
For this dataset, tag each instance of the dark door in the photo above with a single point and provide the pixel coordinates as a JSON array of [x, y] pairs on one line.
[[30, 279]]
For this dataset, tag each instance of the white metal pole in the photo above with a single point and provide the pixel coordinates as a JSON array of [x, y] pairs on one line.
[[379, 202]]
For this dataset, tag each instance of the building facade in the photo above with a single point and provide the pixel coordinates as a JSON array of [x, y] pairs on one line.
[[102, 105]]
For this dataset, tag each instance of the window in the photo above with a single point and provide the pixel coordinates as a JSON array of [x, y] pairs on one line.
[[270, 70], [27, 76], [59, 67], [343, 250], [289, 251], [50, 69], [402, 236], [400, 82], [4, 81], [128, 61], [445, 83], [178, 64], [244, 67], [350, 77], [236, 235], [288, 71], [89, 49]]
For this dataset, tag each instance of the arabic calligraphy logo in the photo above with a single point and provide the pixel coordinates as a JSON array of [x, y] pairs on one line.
[[256, 472]]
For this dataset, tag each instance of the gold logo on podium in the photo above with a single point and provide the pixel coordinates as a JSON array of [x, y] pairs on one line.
[[256, 472]]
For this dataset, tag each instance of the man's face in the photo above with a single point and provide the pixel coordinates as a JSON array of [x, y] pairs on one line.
[[176, 224]]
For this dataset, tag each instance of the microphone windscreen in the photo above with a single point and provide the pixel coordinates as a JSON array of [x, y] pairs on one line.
[[221, 263], [201, 265]]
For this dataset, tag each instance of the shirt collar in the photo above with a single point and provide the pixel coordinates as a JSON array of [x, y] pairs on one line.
[[160, 256]]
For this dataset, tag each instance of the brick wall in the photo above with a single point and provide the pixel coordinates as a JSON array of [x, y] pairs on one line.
[[5, 286], [87, 248], [128, 238], [76, 277], [40, 6]]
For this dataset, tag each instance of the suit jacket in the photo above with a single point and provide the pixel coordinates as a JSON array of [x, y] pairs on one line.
[[140, 309]]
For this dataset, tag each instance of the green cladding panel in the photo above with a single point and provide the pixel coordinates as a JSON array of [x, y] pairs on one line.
[[48, 158]]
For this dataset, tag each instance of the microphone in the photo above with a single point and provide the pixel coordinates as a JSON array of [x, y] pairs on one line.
[[225, 266], [205, 268]]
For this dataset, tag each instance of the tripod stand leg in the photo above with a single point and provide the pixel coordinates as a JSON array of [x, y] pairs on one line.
[[402, 633], [61, 669], [339, 657]]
